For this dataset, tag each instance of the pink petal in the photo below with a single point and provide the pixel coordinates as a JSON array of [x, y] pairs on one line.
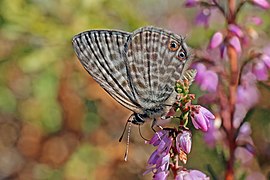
[[245, 129], [248, 95], [210, 81], [183, 142], [236, 30], [191, 3], [223, 51], [195, 174], [261, 3], [266, 59], [234, 41], [216, 40], [161, 176], [200, 72], [256, 20], [260, 71], [199, 122], [202, 17], [207, 113]]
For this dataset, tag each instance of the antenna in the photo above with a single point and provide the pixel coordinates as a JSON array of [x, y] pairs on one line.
[[128, 121], [128, 136]]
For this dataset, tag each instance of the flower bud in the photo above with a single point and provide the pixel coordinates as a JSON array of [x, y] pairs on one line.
[[183, 142], [261, 3], [216, 40], [236, 44], [200, 117]]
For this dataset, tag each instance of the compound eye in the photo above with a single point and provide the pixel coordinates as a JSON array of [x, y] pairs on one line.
[[173, 46]]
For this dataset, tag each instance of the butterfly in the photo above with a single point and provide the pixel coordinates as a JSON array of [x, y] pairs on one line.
[[138, 69]]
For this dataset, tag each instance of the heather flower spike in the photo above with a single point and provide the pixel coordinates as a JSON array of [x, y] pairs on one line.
[[174, 144], [159, 160], [229, 82]]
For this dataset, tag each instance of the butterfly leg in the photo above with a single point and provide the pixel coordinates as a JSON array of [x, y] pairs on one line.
[[154, 123]]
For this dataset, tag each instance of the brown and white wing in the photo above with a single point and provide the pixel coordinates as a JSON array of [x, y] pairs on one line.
[[154, 67], [101, 54]]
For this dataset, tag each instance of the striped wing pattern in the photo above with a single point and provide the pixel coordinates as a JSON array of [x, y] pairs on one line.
[[153, 67], [101, 53], [137, 69]]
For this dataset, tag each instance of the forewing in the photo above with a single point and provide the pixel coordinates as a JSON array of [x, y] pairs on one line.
[[101, 53], [153, 67]]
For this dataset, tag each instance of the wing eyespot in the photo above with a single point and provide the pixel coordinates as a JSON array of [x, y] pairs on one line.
[[181, 55], [173, 45]]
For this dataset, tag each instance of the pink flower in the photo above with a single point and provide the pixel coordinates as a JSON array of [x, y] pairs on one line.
[[261, 3], [203, 17], [243, 155], [210, 81], [260, 71], [256, 20], [213, 134], [245, 129], [200, 117], [161, 175], [223, 51], [247, 95], [248, 79], [206, 79], [235, 42], [239, 114], [191, 174], [183, 142], [191, 3], [200, 72], [236, 30], [157, 138], [266, 59], [261, 67], [159, 160], [216, 40]]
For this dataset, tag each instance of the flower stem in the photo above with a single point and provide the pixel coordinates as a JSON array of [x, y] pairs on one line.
[[234, 70]]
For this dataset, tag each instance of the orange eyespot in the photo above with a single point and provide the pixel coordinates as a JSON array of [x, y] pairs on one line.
[[173, 46]]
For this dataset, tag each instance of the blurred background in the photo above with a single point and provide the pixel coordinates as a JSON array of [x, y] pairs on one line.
[[56, 122]]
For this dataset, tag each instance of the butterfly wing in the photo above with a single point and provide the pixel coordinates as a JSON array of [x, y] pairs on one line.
[[101, 54], [153, 66]]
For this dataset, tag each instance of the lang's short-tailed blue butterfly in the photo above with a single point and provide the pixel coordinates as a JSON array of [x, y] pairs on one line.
[[138, 69]]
